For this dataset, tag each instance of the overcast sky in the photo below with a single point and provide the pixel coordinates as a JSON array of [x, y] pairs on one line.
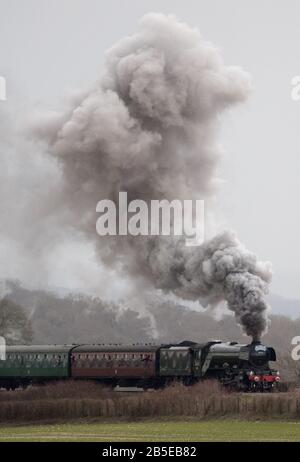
[[49, 48]]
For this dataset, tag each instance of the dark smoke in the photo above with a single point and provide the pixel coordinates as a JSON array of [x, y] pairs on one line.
[[148, 128]]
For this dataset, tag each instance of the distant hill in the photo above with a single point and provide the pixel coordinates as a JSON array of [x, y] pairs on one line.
[[29, 298]]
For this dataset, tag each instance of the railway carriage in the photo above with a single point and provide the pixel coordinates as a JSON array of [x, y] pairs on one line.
[[34, 364], [115, 363]]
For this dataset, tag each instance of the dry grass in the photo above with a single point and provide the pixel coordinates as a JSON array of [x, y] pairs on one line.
[[77, 400], [58, 390]]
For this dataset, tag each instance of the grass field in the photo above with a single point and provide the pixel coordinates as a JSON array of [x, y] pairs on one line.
[[221, 430]]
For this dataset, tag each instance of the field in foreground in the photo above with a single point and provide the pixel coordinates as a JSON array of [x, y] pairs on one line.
[[225, 430]]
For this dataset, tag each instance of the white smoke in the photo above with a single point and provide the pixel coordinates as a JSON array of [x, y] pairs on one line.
[[149, 128]]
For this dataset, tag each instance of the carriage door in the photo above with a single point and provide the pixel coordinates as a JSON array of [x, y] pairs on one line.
[[197, 362]]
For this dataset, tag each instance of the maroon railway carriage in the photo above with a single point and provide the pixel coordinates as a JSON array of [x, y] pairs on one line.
[[112, 363]]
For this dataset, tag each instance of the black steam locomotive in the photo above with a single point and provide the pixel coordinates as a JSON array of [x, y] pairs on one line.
[[239, 366], [242, 367]]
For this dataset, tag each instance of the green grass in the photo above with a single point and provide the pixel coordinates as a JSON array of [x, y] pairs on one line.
[[221, 430]]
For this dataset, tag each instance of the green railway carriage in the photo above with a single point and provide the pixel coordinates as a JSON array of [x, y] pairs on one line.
[[27, 364], [175, 361]]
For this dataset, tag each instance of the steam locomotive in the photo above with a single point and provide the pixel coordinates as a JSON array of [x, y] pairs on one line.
[[239, 366]]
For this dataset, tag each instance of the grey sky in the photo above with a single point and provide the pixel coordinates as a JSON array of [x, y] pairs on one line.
[[50, 47]]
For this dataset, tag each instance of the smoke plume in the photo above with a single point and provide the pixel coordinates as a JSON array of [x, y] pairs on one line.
[[148, 127]]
